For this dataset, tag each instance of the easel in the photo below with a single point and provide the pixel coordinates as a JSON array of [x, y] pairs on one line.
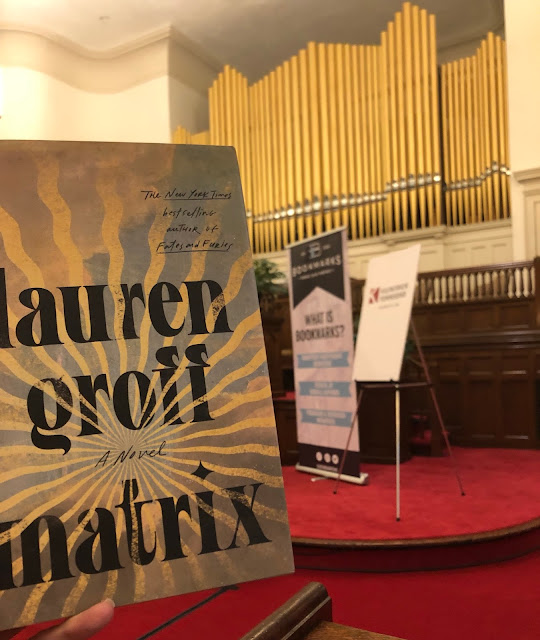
[[398, 386]]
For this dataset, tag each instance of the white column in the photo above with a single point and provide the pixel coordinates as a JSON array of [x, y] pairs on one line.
[[522, 27]]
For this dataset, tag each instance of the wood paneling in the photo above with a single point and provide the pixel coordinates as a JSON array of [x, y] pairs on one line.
[[376, 420], [308, 615], [516, 315], [482, 346], [285, 411]]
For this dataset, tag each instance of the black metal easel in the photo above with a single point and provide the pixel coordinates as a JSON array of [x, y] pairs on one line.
[[398, 386]]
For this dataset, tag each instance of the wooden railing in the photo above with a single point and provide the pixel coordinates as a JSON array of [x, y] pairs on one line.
[[492, 282], [505, 281]]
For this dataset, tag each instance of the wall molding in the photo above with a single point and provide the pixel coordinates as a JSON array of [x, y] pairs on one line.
[[528, 177], [443, 247], [164, 52], [494, 21], [527, 182]]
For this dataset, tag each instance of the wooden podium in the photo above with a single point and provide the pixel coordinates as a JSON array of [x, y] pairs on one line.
[[308, 616]]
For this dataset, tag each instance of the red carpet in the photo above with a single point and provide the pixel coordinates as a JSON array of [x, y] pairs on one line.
[[481, 603], [502, 487]]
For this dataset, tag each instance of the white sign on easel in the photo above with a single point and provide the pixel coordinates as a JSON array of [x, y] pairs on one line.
[[384, 324], [386, 314]]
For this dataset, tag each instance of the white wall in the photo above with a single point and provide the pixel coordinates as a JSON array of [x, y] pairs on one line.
[[188, 107], [523, 48], [139, 92], [38, 106], [522, 26]]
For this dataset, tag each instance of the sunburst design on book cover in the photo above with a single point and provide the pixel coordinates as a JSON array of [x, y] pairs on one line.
[[139, 456]]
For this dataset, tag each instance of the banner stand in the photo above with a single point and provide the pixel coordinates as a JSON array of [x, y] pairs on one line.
[[398, 454], [398, 386], [362, 479], [323, 354]]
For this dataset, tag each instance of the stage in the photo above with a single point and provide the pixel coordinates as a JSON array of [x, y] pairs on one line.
[[498, 518], [338, 539]]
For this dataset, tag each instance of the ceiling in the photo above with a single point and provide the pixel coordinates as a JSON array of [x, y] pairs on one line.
[[252, 35]]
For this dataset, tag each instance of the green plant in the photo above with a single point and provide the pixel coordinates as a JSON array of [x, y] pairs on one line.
[[267, 277]]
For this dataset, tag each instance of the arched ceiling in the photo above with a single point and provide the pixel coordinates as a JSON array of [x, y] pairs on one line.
[[252, 35]]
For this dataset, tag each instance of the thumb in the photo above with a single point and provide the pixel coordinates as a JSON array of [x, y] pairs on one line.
[[83, 625]]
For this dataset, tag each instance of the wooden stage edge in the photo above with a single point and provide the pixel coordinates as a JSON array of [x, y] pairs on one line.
[[308, 616], [406, 543]]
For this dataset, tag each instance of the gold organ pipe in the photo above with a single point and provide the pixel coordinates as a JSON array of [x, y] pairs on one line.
[[385, 132], [203, 137], [377, 173], [487, 129], [216, 134], [233, 101], [333, 217], [282, 156], [351, 135], [365, 231], [289, 146], [343, 188], [237, 138], [476, 140], [372, 168], [324, 92], [501, 100], [268, 164], [401, 120], [493, 108], [228, 106], [445, 129], [358, 225], [275, 227], [419, 116], [223, 133], [409, 111], [427, 116], [258, 176], [504, 133], [256, 158], [436, 150], [177, 135], [394, 136], [265, 196], [469, 115], [462, 140], [452, 152], [248, 159], [297, 148], [458, 193], [350, 212], [481, 133], [377, 98], [212, 110], [307, 228], [315, 141]]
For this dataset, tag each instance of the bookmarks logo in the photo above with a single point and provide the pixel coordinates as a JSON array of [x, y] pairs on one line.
[[314, 250], [374, 295]]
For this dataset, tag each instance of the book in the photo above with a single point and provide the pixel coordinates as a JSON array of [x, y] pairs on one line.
[[139, 456]]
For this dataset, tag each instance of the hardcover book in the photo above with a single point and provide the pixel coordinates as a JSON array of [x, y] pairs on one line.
[[139, 456]]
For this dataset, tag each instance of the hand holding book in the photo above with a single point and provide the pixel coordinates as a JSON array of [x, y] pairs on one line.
[[82, 626]]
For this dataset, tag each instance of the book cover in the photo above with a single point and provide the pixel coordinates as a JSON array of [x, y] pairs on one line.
[[139, 456]]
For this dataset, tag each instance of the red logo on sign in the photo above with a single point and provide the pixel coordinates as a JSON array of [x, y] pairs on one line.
[[374, 295]]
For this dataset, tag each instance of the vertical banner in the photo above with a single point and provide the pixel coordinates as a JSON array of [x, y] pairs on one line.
[[386, 314], [322, 337]]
